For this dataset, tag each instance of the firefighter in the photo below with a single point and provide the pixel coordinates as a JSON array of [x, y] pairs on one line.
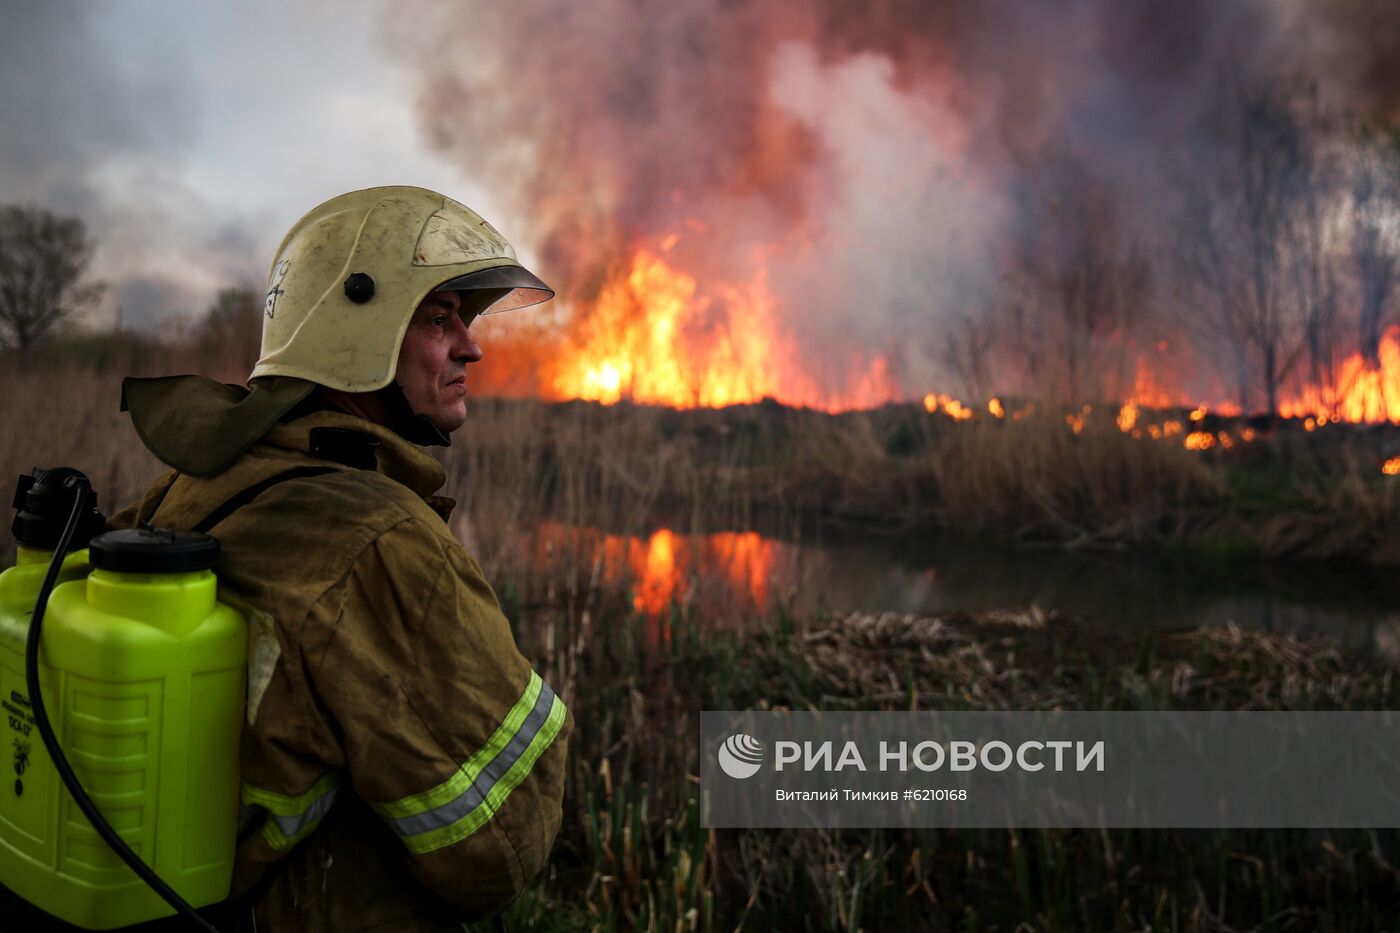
[[402, 763]]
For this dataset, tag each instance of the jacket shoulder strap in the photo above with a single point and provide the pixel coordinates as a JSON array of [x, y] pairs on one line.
[[243, 497]]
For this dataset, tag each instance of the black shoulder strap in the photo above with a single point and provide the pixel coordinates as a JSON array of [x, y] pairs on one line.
[[242, 498]]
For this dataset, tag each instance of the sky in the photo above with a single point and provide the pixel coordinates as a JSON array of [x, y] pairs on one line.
[[189, 137]]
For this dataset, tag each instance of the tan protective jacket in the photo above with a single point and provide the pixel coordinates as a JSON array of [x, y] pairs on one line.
[[402, 764]]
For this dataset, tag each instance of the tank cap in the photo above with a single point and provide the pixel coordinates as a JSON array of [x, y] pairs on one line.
[[43, 501], [153, 550]]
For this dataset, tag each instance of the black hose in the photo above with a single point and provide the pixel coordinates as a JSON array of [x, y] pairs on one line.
[[41, 719]]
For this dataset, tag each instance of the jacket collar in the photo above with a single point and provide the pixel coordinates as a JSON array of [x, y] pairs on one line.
[[397, 458], [201, 427]]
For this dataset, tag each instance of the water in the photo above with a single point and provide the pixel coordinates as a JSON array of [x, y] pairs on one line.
[[735, 574]]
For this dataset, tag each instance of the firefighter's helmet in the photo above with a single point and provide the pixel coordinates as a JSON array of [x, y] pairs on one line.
[[349, 275]]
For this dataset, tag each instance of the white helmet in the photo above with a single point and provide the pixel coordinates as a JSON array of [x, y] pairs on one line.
[[350, 274]]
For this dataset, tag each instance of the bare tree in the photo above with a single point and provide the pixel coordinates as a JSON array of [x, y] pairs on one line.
[[230, 334], [43, 259], [1312, 244], [1270, 170], [966, 351], [1080, 281], [1205, 273], [1375, 239], [1249, 233], [968, 293]]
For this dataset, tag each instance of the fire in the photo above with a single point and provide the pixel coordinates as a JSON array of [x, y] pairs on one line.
[[653, 337], [656, 335], [1391, 467], [1127, 416], [1147, 393], [1200, 440], [1361, 393], [949, 406]]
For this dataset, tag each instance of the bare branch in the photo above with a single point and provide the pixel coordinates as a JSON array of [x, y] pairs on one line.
[[43, 259]]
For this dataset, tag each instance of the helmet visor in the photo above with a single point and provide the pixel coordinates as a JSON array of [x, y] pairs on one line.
[[503, 288]]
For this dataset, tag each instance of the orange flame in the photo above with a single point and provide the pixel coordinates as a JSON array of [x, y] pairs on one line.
[[1146, 391], [948, 405], [1361, 394], [1127, 416], [652, 337]]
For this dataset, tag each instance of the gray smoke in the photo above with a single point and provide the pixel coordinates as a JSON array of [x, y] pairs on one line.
[[884, 159]]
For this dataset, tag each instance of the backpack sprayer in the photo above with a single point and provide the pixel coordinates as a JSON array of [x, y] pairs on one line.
[[144, 672]]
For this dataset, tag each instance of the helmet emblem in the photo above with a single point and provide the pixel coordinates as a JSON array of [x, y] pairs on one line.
[[274, 290]]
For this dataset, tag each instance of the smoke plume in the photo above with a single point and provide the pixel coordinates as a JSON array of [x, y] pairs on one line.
[[885, 170]]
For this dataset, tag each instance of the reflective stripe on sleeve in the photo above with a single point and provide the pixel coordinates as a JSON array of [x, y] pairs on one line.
[[463, 803], [291, 819]]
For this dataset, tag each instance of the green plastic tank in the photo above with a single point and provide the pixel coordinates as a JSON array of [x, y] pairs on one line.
[[42, 506], [30, 772], [143, 676]]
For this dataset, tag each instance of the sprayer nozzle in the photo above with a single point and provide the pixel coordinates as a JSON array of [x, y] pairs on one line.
[[43, 502]]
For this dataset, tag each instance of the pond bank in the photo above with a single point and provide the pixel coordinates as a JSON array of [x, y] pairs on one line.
[[1287, 493]]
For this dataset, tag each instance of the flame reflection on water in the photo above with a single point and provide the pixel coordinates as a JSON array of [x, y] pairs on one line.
[[731, 577], [725, 570]]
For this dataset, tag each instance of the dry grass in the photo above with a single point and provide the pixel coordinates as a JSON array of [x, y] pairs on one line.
[[632, 855], [898, 469], [516, 464], [70, 417], [901, 470], [1036, 478], [1340, 505], [1033, 659]]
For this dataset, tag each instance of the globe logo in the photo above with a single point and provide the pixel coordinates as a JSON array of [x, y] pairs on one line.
[[741, 756]]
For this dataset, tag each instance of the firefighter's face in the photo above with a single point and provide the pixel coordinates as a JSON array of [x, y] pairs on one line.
[[433, 361]]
